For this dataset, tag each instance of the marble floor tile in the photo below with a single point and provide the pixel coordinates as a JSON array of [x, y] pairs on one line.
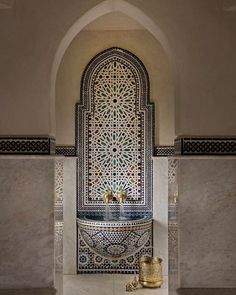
[[105, 284]]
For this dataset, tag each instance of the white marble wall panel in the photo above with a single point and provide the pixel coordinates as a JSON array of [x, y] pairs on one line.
[[160, 210], [69, 207], [26, 222], [207, 222]]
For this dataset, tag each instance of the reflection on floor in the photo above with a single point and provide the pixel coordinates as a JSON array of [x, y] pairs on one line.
[[105, 284]]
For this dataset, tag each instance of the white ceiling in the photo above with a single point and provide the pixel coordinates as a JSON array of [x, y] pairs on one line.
[[112, 22]]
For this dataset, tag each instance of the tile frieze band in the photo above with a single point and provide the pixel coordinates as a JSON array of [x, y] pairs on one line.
[[218, 146], [27, 145]]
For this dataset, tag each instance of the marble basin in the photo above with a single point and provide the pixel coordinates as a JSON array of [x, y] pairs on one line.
[[117, 238]]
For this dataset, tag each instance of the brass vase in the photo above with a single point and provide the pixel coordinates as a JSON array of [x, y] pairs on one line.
[[150, 272]]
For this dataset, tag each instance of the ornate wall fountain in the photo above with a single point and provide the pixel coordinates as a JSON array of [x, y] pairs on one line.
[[114, 144]]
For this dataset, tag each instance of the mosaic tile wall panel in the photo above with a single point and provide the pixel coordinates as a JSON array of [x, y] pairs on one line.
[[205, 146], [173, 216], [115, 139], [27, 145], [90, 262]]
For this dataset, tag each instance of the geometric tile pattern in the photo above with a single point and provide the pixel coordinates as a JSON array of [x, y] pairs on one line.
[[114, 146], [205, 146], [27, 145], [115, 149], [58, 203], [114, 124], [58, 209], [173, 247], [67, 151], [115, 239], [172, 216], [91, 262], [172, 170], [164, 151], [58, 245]]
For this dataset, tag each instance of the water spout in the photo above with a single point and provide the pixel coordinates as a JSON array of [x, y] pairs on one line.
[[122, 212], [108, 212], [121, 197], [107, 196]]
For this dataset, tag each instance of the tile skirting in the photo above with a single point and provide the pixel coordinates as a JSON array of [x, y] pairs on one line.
[[220, 146], [19, 145]]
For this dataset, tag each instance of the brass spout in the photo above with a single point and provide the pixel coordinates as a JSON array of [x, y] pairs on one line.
[[108, 196], [121, 196]]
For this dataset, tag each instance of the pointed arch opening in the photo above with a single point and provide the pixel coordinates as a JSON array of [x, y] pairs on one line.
[[97, 11]]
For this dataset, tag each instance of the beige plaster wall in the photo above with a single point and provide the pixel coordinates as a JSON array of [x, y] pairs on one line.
[[84, 47], [201, 39]]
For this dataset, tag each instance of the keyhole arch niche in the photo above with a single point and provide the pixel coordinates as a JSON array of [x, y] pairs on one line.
[[114, 134]]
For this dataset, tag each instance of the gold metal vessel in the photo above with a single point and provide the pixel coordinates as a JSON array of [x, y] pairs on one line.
[[150, 272]]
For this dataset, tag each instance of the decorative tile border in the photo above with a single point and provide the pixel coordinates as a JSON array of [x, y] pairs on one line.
[[27, 145], [129, 214], [58, 238], [58, 211], [59, 189], [164, 151], [205, 146], [173, 247], [172, 216], [172, 170], [67, 151]]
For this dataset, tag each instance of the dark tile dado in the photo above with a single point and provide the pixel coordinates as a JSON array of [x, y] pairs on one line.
[[205, 146], [27, 145]]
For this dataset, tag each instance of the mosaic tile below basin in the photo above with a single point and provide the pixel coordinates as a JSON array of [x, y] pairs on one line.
[[90, 262]]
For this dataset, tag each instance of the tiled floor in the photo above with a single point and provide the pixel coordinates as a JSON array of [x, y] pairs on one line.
[[105, 284]]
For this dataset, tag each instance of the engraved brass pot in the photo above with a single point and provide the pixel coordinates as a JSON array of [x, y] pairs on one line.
[[150, 272]]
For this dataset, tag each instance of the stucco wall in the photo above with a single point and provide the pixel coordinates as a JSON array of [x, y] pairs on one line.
[[201, 39], [84, 47]]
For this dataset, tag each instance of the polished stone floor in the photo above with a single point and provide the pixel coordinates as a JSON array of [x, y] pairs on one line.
[[105, 284], [112, 284]]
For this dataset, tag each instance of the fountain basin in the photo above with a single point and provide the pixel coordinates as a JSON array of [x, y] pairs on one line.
[[115, 239]]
